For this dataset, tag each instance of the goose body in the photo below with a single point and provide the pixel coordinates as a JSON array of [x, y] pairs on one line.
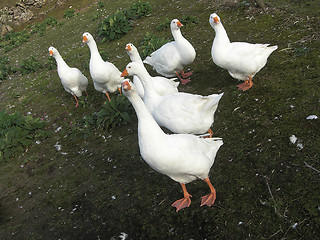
[[170, 59], [182, 157], [105, 75], [163, 86], [178, 112], [242, 60], [73, 81]]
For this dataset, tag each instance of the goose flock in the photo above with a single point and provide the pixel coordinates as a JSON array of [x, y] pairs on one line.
[[189, 152]]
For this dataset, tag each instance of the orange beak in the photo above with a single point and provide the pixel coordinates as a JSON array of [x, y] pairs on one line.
[[216, 20], [126, 86], [128, 48], [124, 73], [51, 53], [85, 39], [179, 24]]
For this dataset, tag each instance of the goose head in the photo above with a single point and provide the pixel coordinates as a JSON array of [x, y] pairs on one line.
[[131, 69], [214, 20], [126, 85], [175, 24], [86, 37], [128, 88], [130, 48], [52, 51]]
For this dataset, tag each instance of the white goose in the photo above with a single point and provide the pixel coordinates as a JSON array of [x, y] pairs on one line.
[[164, 86], [179, 112], [170, 59], [242, 60], [182, 157], [73, 81], [106, 76]]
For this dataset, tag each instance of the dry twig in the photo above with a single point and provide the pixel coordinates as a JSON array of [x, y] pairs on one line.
[[311, 167], [275, 208]]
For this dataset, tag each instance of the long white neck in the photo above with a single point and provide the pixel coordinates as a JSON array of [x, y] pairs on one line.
[[221, 35], [150, 94], [135, 57], [177, 35], [60, 62], [94, 51], [147, 126]]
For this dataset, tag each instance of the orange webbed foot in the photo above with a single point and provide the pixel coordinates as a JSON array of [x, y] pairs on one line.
[[182, 203], [187, 74], [245, 85], [183, 78], [208, 199], [184, 81], [211, 197]]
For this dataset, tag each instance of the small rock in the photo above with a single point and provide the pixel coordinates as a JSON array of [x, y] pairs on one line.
[[293, 139], [312, 117]]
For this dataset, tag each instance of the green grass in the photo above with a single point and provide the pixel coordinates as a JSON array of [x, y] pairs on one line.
[[97, 185]]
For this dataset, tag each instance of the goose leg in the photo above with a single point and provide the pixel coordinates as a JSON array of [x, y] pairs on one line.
[[211, 133], [119, 90], [184, 81], [86, 92], [207, 135], [108, 97], [184, 202], [77, 104], [211, 197]]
